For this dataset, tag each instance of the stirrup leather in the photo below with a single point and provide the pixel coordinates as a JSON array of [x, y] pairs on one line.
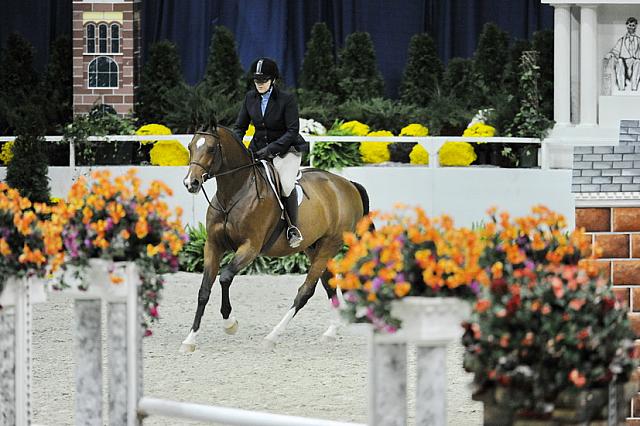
[[294, 236]]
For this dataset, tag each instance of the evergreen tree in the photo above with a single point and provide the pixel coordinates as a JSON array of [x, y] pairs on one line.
[[423, 72], [160, 74], [458, 82], [491, 56], [543, 44], [319, 66], [58, 86], [224, 72], [358, 73], [18, 80], [27, 171]]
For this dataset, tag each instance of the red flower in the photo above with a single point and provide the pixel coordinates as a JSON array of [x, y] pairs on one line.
[[578, 379]]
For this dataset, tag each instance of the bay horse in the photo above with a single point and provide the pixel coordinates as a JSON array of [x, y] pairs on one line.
[[244, 213]]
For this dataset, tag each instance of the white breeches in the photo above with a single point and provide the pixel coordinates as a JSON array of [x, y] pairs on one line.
[[287, 167]]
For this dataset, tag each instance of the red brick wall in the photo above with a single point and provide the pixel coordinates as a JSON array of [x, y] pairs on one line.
[[616, 230], [121, 98]]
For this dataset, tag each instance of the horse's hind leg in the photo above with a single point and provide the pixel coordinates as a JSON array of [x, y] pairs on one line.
[[325, 250], [211, 266], [334, 300]]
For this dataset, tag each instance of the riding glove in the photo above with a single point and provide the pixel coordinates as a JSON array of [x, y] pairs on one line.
[[263, 154]]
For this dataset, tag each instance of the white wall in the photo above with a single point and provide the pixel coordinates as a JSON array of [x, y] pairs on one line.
[[463, 193]]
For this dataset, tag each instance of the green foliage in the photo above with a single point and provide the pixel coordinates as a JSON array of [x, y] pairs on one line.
[[530, 121], [192, 258], [102, 120], [27, 171], [57, 86], [318, 66], [458, 82], [447, 114], [192, 107], [336, 155], [491, 56], [18, 81], [423, 71], [321, 106], [382, 114], [543, 44], [358, 75], [223, 76], [160, 74]]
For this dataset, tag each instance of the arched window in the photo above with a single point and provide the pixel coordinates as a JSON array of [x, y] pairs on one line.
[[102, 38], [91, 38], [103, 72], [115, 38]]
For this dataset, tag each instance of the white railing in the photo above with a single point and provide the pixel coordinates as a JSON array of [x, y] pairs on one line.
[[431, 144]]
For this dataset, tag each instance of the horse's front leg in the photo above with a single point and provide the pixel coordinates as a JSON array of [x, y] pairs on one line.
[[244, 255], [212, 254]]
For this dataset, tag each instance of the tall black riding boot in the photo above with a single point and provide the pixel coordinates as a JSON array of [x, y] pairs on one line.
[[293, 233]]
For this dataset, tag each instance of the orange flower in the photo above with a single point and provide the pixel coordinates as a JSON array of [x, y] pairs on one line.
[[5, 250], [31, 256], [116, 279], [577, 304], [577, 378], [142, 228], [402, 289], [482, 305]]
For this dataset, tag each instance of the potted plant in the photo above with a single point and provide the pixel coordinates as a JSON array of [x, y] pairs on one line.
[[113, 221], [546, 332], [403, 263]]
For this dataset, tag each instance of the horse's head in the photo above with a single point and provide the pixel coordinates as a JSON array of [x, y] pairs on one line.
[[205, 158]]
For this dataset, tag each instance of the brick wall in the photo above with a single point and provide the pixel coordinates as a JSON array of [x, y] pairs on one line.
[[122, 97], [616, 230]]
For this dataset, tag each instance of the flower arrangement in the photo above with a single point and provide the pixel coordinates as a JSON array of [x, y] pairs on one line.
[[355, 127], [419, 155], [152, 129], [375, 152], [456, 154], [118, 221], [6, 154], [410, 255], [479, 130], [311, 127], [30, 244], [169, 153], [544, 323]]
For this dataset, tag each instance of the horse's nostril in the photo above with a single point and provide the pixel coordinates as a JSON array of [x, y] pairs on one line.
[[195, 183]]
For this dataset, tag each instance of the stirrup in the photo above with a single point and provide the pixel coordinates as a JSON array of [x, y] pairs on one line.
[[294, 236]]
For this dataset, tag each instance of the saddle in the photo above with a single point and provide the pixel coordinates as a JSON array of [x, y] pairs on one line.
[[276, 186]]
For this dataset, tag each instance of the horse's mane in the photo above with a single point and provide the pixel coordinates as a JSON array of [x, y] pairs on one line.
[[235, 138]]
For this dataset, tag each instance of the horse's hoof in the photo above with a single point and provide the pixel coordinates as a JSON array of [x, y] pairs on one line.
[[186, 348], [232, 328], [268, 344]]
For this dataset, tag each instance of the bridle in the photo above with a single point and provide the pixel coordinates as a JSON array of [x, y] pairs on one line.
[[218, 154]]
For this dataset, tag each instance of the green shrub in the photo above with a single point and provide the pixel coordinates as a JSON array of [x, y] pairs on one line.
[[336, 155], [382, 114], [319, 66], [192, 254], [458, 82], [57, 86], [543, 44], [423, 72], [491, 56], [160, 74], [18, 81], [321, 106], [224, 74], [27, 171], [358, 75]]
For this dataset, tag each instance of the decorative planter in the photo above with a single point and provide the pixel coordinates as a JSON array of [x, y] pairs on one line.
[[430, 321], [16, 287], [95, 281]]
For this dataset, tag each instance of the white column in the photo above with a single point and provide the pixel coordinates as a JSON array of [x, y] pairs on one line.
[[588, 65], [562, 64]]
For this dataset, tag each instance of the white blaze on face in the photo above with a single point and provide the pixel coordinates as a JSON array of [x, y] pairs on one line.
[[200, 141]]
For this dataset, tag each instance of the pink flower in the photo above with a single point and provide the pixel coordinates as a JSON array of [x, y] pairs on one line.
[[153, 311]]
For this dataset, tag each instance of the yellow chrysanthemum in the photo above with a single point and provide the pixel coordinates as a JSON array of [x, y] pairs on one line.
[[479, 130], [419, 155], [152, 129], [414, 129], [456, 154], [355, 127], [376, 152], [7, 152], [169, 153]]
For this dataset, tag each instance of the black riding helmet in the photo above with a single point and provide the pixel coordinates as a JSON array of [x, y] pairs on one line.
[[264, 69]]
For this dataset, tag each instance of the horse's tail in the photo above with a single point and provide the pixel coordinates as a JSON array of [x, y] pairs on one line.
[[363, 196]]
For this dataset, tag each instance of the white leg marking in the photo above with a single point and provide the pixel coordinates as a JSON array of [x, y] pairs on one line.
[[230, 325], [189, 344], [334, 325], [273, 336]]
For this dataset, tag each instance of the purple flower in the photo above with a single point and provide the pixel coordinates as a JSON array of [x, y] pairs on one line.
[[475, 287], [350, 297], [377, 283]]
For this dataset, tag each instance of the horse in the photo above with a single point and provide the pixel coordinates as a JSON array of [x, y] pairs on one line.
[[244, 216]]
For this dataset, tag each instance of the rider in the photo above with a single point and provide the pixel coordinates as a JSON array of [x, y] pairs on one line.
[[274, 113]]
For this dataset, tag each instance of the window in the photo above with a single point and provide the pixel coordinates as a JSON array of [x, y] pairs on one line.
[[115, 38], [103, 72], [102, 38], [91, 38]]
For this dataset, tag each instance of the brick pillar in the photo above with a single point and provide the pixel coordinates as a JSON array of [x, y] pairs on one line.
[[125, 14], [616, 230]]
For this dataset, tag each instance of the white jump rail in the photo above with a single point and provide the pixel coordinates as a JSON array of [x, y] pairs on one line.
[[431, 144]]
